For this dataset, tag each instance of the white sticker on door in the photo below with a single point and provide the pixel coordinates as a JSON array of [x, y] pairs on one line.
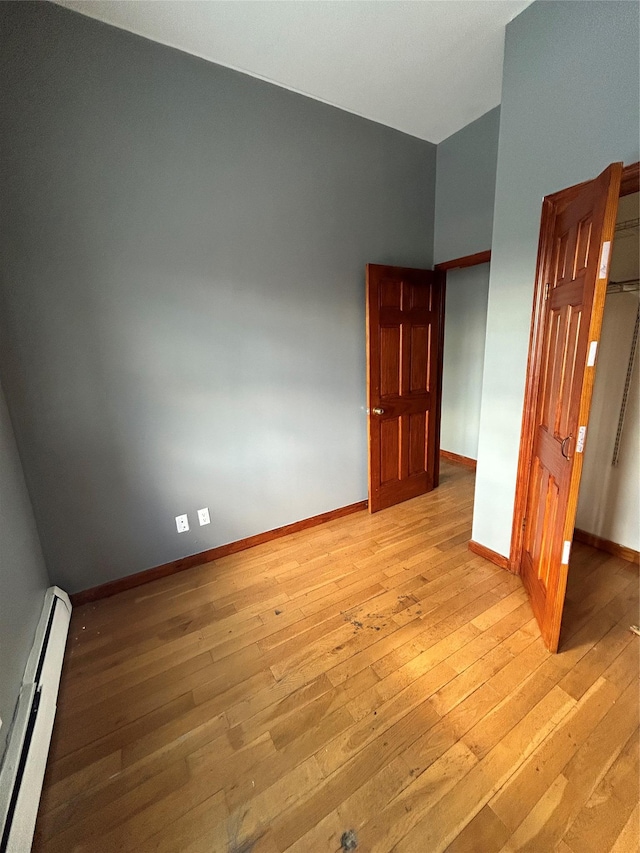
[[581, 436], [604, 259]]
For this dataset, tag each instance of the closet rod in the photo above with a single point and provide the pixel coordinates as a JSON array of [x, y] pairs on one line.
[[630, 285], [627, 225]]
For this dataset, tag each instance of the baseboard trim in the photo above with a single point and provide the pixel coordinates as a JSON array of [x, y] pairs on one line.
[[606, 545], [488, 554], [456, 459], [106, 590]]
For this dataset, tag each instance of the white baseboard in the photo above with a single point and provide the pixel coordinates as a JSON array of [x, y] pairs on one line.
[[25, 759]]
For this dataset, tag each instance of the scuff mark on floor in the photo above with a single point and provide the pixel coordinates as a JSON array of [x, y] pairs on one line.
[[349, 840]]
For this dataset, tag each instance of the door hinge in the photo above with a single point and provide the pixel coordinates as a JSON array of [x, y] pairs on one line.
[[547, 288], [524, 523]]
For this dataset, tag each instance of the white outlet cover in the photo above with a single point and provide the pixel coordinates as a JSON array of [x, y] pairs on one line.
[[182, 523], [203, 516]]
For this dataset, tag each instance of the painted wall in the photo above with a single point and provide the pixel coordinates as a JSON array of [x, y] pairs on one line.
[[183, 253], [464, 339], [570, 106], [465, 191], [609, 503], [23, 577]]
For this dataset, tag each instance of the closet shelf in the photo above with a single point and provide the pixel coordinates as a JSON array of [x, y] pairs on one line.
[[629, 286]]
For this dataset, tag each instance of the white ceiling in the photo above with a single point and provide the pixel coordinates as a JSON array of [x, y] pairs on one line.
[[426, 67]]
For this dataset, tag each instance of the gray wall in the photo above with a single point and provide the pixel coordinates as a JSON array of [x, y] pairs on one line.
[[570, 101], [465, 329], [465, 189], [23, 577], [183, 253]]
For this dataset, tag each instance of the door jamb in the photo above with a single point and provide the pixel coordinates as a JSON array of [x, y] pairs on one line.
[[462, 262], [441, 281], [630, 184], [465, 261]]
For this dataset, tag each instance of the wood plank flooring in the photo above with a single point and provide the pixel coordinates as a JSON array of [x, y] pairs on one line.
[[370, 674]]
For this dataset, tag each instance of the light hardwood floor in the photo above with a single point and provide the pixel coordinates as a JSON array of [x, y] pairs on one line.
[[370, 674]]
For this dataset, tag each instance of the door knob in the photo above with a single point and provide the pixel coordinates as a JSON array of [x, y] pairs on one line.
[[378, 411], [562, 446]]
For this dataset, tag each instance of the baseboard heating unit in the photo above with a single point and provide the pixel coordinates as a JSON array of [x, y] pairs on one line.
[[25, 759]]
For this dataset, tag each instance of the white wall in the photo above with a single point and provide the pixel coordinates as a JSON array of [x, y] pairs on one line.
[[464, 337], [610, 497]]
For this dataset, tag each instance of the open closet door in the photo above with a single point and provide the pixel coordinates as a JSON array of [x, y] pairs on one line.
[[573, 261]]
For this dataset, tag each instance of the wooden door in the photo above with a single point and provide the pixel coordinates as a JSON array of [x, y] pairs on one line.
[[573, 261], [405, 321]]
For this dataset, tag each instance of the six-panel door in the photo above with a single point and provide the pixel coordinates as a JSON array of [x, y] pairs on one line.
[[404, 352], [574, 258]]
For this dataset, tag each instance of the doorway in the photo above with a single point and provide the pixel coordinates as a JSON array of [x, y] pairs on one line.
[[609, 497], [465, 323], [574, 263], [423, 397], [608, 517], [467, 298]]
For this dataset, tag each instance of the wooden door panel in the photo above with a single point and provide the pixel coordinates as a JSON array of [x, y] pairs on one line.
[[549, 504], [583, 245], [575, 239], [390, 293], [549, 416], [421, 297], [419, 349], [418, 438], [573, 360], [542, 553], [533, 533], [405, 309], [390, 451], [561, 369], [549, 448], [389, 362]]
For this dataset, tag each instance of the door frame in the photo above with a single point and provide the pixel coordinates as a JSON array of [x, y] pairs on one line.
[[630, 184], [463, 262]]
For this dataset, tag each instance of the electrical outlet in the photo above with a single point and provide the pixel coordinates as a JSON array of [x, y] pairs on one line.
[[203, 516], [182, 523]]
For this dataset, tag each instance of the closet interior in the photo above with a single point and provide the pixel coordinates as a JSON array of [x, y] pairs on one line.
[[609, 500]]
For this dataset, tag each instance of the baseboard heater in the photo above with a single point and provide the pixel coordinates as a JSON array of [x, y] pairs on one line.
[[25, 759]]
